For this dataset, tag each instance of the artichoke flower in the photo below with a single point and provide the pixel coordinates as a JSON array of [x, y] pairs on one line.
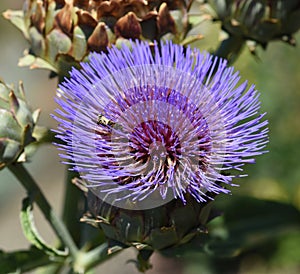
[[257, 21], [152, 134], [17, 125], [61, 33]]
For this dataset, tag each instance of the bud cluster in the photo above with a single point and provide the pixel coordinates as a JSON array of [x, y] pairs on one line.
[[17, 124], [257, 21], [63, 32]]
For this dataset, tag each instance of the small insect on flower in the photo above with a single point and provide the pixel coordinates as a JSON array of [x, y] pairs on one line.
[[170, 122], [102, 120]]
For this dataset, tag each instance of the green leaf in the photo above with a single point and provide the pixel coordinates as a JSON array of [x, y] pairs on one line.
[[22, 260], [31, 232], [247, 223]]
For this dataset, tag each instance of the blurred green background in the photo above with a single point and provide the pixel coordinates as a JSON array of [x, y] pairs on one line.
[[275, 176]]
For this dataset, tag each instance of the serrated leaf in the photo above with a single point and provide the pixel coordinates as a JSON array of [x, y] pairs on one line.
[[32, 234], [22, 260]]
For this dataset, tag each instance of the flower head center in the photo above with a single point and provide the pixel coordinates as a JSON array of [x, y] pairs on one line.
[[154, 141], [157, 151]]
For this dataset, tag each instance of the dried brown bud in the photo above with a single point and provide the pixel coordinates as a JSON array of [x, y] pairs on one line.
[[108, 8], [82, 4], [61, 33], [98, 41], [86, 22], [128, 26], [165, 22], [64, 18]]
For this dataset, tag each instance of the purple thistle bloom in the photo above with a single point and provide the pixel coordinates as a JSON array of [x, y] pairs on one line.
[[144, 125]]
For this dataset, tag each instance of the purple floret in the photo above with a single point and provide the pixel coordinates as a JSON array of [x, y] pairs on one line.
[[144, 125]]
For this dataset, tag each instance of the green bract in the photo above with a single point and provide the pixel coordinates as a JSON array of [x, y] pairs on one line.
[[159, 228], [17, 125], [257, 21]]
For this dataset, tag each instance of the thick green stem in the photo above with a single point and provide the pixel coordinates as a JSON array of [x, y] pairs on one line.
[[35, 192], [143, 258], [86, 261], [74, 206], [230, 48]]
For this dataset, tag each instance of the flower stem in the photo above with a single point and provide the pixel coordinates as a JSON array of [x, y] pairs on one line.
[[74, 206], [21, 173], [86, 261]]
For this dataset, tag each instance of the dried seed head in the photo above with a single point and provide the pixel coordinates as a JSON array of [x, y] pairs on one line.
[[82, 26]]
